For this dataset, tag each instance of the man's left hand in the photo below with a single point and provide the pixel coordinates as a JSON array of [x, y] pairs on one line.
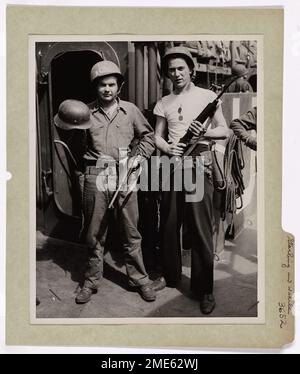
[[197, 128], [135, 161]]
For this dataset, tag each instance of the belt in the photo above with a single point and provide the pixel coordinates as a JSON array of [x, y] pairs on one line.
[[104, 167], [200, 148], [101, 162], [93, 170], [90, 163]]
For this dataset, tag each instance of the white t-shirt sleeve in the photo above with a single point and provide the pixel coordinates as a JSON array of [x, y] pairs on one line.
[[159, 110]]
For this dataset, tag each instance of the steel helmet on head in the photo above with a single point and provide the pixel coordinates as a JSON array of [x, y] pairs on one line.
[[73, 114], [239, 70], [174, 52], [105, 68]]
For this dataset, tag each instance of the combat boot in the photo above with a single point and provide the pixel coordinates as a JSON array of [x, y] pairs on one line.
[[84, 295]]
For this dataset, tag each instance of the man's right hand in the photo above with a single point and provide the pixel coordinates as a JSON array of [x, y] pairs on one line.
[[176, 149]]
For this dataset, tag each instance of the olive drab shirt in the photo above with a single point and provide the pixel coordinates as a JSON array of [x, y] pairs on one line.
[[109, 134], [243, 124]]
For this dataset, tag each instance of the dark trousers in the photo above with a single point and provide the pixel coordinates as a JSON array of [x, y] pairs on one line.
[[199, 219], [95, 210]]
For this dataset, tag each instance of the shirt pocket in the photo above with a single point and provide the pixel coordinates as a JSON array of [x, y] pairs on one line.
[[125, 134], [98, 137]]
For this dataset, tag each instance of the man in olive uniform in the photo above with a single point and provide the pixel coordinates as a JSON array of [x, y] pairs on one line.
[[243, 125], [241, 84], [116, 124]]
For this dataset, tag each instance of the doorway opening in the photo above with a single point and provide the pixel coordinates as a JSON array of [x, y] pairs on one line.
[[70, 77]]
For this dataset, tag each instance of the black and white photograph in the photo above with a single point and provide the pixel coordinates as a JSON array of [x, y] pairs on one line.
[[147, 158]]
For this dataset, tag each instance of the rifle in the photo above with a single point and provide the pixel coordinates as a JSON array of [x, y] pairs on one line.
[[123, 183], [208, 111]]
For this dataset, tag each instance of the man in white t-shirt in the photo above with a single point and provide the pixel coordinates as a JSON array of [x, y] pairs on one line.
[[176, 114]]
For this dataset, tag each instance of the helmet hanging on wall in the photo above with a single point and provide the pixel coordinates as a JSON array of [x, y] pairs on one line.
[[73, 114]]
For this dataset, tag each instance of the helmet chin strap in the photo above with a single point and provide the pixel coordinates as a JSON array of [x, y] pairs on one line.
[[121, 85]]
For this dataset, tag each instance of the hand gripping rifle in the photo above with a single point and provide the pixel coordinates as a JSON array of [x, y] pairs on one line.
[[123, 183], [208, 111]]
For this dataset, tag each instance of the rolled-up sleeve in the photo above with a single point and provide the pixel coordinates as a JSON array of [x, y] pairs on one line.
[[242, 125], [158, 109], [144, 133]]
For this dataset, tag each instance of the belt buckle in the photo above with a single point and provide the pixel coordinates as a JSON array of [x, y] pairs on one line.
[[106, 166], [101, 163]]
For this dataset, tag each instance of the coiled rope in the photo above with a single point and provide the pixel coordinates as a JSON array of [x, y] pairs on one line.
[[234, 163]]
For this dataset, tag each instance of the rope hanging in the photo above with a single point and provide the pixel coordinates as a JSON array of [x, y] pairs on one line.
[[234, 163]]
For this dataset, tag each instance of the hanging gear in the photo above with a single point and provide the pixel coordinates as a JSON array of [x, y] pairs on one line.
[[218, 162], [105, 68], [73, 114], [233, 166], [56, 141]]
